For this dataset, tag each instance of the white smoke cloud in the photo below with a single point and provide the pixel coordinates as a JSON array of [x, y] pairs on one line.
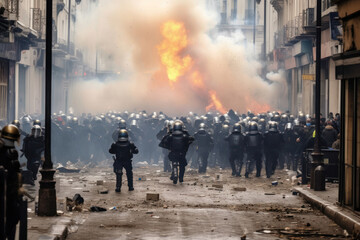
[[128, 33]]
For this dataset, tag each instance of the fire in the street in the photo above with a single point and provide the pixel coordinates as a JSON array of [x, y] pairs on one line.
[[215, 103], [170, 50], [175, 41], [256, 107]]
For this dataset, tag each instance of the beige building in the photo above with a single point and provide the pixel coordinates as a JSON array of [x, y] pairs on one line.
[[290, 45]]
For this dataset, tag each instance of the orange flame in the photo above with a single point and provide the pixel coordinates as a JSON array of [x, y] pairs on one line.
[[255, 106], [175, 40], [170, 50], [215, 103]]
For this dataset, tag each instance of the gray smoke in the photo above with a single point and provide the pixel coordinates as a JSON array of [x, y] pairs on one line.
[[127, 34]]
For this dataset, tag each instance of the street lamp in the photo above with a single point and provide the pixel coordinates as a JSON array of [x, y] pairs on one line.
[[317, 171], [47, 192]]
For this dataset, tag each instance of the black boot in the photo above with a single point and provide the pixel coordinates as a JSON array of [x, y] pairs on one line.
[[118, 182], [130, 180]]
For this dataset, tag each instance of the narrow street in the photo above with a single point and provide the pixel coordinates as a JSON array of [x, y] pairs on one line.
[[200, 208]]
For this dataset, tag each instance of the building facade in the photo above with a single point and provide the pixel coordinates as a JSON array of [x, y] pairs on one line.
[[291, 45], [348, 71]]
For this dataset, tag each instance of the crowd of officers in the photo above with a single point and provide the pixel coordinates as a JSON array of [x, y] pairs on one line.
[[229, 140]]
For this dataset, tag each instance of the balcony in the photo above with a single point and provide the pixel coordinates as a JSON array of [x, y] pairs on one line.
[[36, 23], [10, 9]]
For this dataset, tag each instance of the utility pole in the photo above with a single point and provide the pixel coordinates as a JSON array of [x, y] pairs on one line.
[[318, 184], [47, 192]]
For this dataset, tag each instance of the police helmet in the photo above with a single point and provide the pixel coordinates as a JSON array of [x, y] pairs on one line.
[[36, 131], [273, 126], [10, 132], [237, 127], [178, 125], [122, 124], [16, 123], [255, 119], [253, 128], [288, 126], [123, 135], [202, 126], [284, 118]]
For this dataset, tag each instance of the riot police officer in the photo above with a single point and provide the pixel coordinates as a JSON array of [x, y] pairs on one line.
[[161, 134], [124, 150], [273, 140], [204, 144], [253, 143], [236, 142], [177, 143], [9, 160], [33, 146]]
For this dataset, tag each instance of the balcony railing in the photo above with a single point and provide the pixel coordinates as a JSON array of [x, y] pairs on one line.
[[36, 24], [11, 9]]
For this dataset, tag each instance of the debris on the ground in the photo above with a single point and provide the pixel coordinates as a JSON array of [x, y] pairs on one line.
[[239, 189], [149, 212], [217, 186], [142, 178], [270, 193], [274, 183], [155, 217], [152, 197], [97, 209], [74, 204], [99, 182], [68, 170], [243, 237], [112, 208], [103, 191]]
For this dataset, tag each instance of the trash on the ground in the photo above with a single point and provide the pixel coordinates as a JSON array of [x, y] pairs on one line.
[[219, 177], [144, 163], [165, 207], [267, 231], [152, 197], [112, 208], [243, 237], [97, 209], [142, 178], [295, 193], [78, 199], [274, 183], [29, 210], [155, 217], [99, 182], [346, 234], [102, 226], [149, 212], [59, 212], [86, 190], [73, 229], [239, 189], [217, 186], [67, 169], [289, 215], [270, 193], [158, 171], [103, 191], [283, 195]]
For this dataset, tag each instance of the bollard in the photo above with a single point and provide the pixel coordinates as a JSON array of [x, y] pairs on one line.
[[319, 178], [2, 201], [23, 220]]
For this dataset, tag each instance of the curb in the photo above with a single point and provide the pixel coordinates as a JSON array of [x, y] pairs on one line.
[[341, 216], [59, 231]]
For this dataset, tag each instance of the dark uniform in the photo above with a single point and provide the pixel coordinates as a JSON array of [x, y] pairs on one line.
[[9, 160], [33, 146], [273, 140], [204, 144], [253, 143], [236, 142], [124, 150], [177, 143]]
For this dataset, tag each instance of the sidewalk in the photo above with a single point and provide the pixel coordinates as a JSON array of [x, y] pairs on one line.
[[326, 202]]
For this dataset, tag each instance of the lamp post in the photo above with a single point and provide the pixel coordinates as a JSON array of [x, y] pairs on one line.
[[47, 192], [318, 184]]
